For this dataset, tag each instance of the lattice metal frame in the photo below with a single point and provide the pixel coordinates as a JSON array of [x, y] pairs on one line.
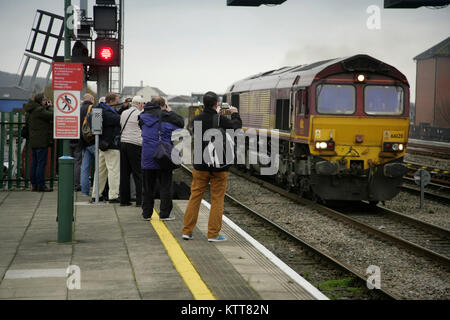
[[48, 34]]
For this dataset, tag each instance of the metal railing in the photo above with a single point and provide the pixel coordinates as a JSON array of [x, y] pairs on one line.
[[15, 154]]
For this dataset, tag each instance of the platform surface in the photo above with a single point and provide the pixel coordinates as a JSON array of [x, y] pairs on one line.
[[120, 256]]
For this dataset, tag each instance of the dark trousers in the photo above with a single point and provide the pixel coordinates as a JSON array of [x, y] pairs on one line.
[[165, 192], [38, 164], [130, 163]]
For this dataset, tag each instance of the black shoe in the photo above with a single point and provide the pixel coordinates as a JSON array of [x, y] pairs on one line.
[[44, 189], [99, 199], [34, 189], [77, 189], [125, 204], [114, 201]]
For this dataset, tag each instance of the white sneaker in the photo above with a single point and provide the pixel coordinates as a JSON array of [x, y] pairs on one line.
[[187, 236], [167, 219]]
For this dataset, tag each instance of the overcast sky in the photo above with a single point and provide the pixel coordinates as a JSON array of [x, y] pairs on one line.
[[184, 46]]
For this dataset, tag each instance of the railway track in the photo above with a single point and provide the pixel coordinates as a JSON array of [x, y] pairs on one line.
[[424, 238], [412, 236], [432, 191], [429, 148], [301, 256], [439, 177]]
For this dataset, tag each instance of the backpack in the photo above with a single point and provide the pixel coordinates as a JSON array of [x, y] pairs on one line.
[[212, 157], [86, 132]]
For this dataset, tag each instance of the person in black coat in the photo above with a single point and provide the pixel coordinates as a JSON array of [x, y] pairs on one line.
[[204, 175]]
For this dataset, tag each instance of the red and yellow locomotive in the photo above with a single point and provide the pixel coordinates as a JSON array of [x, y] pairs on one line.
[[342, 124]]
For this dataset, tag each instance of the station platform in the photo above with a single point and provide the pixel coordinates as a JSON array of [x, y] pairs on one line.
[[118, 255]]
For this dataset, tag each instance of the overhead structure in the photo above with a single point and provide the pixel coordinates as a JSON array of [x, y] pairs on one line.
[[414, 4], [253, 3]]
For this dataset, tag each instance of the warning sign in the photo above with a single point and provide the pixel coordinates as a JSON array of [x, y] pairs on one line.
[[67, 102], [67, 76], [67, 115]]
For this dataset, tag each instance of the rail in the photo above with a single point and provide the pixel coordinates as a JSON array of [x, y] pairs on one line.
[[15, 154]]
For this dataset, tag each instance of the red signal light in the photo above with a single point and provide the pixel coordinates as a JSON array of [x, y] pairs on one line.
[[106, 53]]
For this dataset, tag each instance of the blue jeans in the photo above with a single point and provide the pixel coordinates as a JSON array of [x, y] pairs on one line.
[[38, 164], [88, 157]]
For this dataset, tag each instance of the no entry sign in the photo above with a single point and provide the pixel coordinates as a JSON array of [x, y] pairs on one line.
[[67, 115], [67, 76]]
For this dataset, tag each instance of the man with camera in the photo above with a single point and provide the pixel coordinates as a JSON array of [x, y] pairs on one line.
[[39, 113]]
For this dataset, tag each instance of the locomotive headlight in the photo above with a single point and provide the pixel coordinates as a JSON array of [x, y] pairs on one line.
[[323, 145], [401, 147], [361, 78], [317, 145]]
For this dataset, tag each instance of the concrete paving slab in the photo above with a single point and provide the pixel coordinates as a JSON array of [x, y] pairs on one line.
[[33, 283], [119, 294], [167, 295], [23, 292]]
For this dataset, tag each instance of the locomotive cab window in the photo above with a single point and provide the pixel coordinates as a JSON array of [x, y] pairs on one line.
[[336, 99], [383, 100]]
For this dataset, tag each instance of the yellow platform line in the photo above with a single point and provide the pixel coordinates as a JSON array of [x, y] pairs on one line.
[[194, 282]]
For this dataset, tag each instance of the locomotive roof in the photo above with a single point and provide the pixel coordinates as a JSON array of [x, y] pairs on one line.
[[304, 75]]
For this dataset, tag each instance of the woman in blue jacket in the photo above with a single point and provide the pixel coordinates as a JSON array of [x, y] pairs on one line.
[[149, 123]]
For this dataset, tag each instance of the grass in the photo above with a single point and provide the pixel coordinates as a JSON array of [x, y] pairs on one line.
[[336, 289]]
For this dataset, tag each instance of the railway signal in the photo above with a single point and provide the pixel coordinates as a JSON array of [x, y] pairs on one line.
[[107, 52]]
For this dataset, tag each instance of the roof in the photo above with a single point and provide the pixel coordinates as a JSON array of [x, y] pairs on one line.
[[132, 91], [14, 93], [442, 49], [304, 75], [182, 99]]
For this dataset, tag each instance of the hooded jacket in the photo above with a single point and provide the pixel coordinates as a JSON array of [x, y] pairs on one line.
[[149, 123], [40, 121]]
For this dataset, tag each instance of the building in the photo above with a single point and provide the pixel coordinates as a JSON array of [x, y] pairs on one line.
[[146, 92], [13, 98], [181, 101], [433, 86]]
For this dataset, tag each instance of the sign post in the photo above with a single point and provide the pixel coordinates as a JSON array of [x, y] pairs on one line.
[[67, 82], [97, 130], [422, 178]]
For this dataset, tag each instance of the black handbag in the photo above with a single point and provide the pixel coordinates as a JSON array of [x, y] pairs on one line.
[[168, 157], [103, 145]]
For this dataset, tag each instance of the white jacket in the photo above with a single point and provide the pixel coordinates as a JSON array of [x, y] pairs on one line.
[[132, 132]]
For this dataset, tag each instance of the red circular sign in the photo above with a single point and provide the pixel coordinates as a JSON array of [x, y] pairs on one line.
[[67, 103]]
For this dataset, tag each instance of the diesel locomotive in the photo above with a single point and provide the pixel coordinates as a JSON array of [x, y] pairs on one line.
[[342, 124]]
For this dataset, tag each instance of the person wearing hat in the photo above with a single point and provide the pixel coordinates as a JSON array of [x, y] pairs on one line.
[[130, 152], [125, 106]]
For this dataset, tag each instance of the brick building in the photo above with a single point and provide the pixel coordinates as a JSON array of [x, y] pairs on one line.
[[433, 86]]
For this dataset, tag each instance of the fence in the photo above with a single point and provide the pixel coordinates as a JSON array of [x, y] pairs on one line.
[[15, 153]]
